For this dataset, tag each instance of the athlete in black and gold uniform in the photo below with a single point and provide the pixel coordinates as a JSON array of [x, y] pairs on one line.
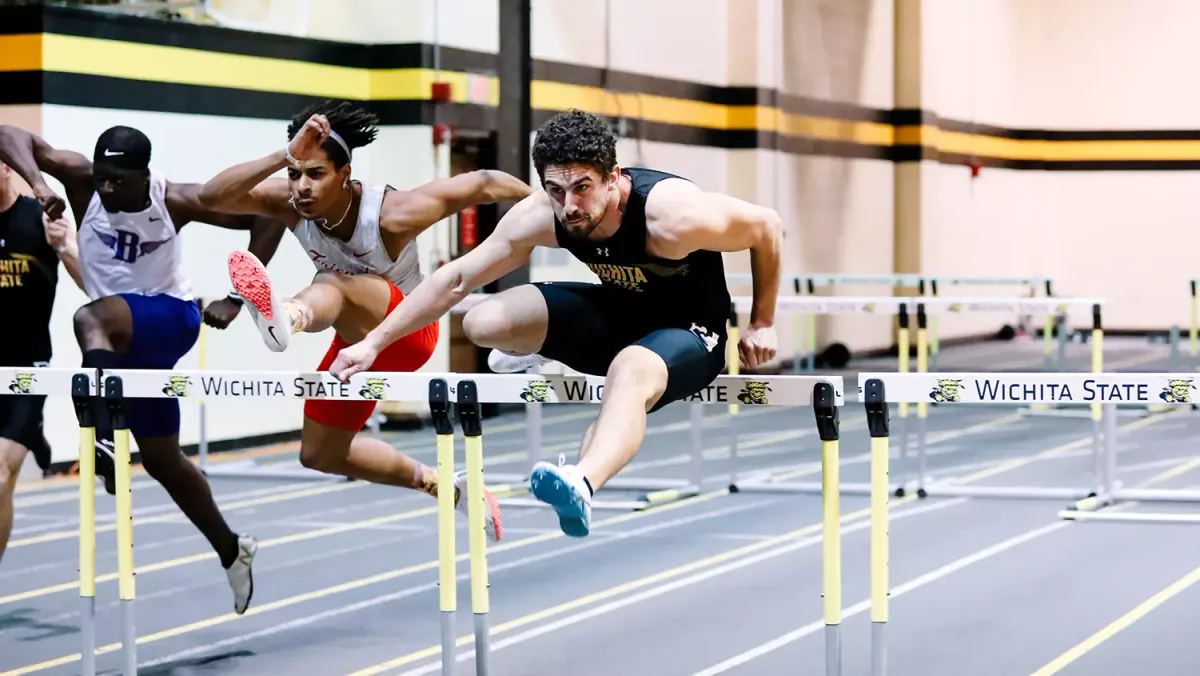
[[654, 326], [30, 249]]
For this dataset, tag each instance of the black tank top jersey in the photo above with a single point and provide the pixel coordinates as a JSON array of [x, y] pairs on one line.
[[28, 280], [685, 290]]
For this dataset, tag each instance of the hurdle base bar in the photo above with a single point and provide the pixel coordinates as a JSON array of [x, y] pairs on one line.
[[616, 483], [653, 499], [248, 469], [621, 505], [1139, 517], [1095, 508], [808, 487], [947, 490]]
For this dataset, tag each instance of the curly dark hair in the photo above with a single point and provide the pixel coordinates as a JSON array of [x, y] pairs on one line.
[[575, 137], [355, 125]]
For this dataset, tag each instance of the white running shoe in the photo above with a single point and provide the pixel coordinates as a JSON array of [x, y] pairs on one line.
[[502, 362], [491, 518], [252, 283], [562, 487], [241, 577]]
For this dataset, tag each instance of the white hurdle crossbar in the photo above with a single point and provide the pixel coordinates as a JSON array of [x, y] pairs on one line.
[[926, 285], [467, 391]]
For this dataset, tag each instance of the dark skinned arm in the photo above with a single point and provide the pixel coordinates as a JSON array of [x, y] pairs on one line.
[[183, 199], [29, 155]]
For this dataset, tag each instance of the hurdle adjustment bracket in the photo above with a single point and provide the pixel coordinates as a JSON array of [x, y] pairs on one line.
[[114, 398], [81, 396], [826, 411], [875, 402], [441, 411], [469, 415]]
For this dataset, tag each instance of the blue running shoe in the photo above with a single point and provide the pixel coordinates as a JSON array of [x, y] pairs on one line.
[[562, 487]]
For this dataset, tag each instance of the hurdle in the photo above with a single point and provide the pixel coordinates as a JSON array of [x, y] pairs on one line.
[[449, 396], [901, 306]]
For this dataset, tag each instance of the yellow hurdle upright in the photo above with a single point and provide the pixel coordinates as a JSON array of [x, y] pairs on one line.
[[443, 404], [84, 399], [114, 398], [470, 416], [440, 413]]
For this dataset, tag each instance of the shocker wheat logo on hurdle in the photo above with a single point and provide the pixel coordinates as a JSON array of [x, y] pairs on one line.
[[374, 388], [754, 392], [536, 391], [22, 384], [947, 389], [1177, 391], [177, 386]]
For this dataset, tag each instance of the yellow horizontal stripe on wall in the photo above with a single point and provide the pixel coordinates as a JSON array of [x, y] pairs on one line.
[[109, 58], [1040, 150], [545, 95]]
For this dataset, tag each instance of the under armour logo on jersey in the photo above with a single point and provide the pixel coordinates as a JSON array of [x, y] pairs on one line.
[[710, 339], [602, 251], [127, 246]]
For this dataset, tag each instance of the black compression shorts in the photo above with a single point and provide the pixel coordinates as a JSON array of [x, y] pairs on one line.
[[21, 421], [589, 324]]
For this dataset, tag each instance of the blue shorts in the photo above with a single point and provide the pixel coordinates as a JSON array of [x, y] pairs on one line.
[[164, 329]]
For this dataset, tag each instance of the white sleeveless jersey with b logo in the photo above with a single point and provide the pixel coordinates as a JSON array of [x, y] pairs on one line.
[[134, 253], [365, 253]]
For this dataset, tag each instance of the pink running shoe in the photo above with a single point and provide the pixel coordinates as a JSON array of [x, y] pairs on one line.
[[250, 280], [491, 514]]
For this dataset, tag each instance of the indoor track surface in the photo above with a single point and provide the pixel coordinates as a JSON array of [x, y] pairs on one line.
[[346, 574]]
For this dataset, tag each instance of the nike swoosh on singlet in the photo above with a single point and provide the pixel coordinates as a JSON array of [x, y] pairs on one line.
[[360, 255], [271, 330]]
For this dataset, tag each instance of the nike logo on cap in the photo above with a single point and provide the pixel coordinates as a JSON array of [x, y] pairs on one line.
[[110, 153]]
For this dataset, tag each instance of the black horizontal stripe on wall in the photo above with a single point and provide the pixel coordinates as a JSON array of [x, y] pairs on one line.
[[1070, 165], [95, 91]]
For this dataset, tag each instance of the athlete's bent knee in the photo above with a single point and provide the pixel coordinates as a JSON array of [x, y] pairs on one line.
[[636, 369], [12, 455], [486, 324], [312, 457], [89, 325]]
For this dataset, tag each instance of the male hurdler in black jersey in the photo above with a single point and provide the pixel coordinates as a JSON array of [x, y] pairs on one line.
[[31, 245], [655, 324]]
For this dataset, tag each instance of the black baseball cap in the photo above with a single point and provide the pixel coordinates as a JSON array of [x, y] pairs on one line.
[[123, 148]]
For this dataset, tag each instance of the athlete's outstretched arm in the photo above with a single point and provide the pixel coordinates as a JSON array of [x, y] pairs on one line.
[[183, 201], [244, 188], [528, 224], [266, 231], [410, 213], [29, 155], [682, 218]]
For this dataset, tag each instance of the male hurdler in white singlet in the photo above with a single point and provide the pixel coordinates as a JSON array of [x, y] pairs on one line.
[[362, 240], [142, 313]]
